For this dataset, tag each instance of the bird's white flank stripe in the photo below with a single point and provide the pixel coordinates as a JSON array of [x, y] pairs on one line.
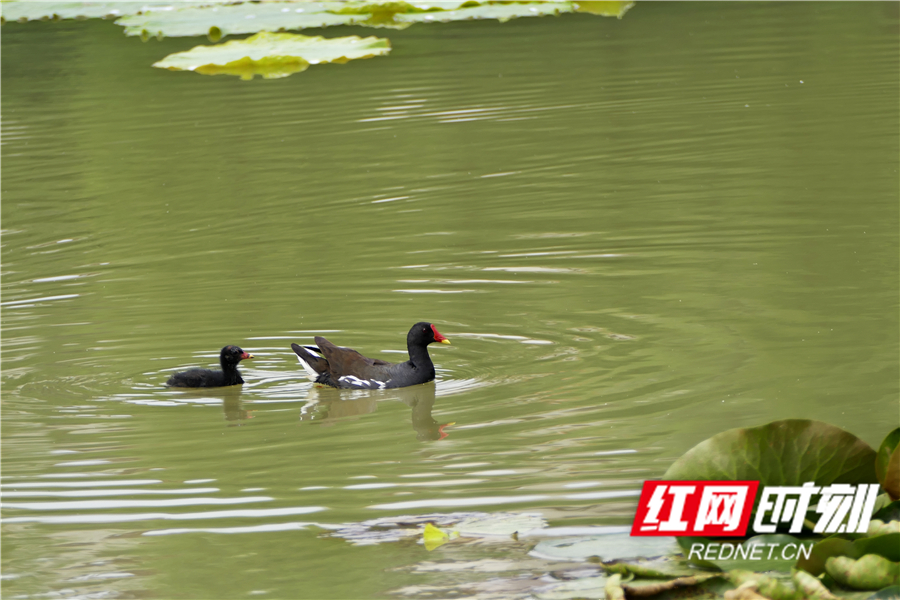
[[366, 383]]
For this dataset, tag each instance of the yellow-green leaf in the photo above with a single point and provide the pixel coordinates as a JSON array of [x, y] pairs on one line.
[[434, 537], [604, 8]]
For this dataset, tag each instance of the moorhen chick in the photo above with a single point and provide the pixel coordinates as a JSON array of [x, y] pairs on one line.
[[346, 368], [205, 378]]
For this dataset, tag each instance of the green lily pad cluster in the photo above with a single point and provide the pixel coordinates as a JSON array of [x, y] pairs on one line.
[[271, 52], [616, 565], [789, 453]]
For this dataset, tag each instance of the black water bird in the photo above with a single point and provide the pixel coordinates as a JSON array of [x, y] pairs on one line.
[[207, 378], [347, 368]]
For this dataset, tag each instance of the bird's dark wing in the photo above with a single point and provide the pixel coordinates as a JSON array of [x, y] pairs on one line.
[[349, 362]]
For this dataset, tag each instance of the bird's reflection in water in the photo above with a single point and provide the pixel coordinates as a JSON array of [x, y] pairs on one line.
[[231, 402], [330, 405], [234, 410]]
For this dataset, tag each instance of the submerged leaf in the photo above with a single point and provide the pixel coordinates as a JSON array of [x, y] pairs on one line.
[[272, 55], [500, 525], [585, 587], [607, 547]]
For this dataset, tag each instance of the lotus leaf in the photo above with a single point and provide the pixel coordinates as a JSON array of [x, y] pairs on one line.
[[789, 452], [810, 586], [34, 11], [769, 587], [888, 593], [892, 475], [878, 527], [614, 589], [871, 572], [652, 588], [608, 547], [888, 446], [272, 55], [604, 8], [888, 512], [887, 546], [248, 17]]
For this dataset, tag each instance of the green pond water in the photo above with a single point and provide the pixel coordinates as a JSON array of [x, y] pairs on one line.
[[636, 233]]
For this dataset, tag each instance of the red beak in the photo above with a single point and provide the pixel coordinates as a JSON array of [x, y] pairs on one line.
[[438, 337], [246, 355]]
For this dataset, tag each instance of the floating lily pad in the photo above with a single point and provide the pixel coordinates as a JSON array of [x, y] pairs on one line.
[[249, 17], [658, 568], [789, 452], [587, 587], [272, 55], [39, 11], [652, 588], [390, 529], [501, 12], [607, 547], [499, 525]]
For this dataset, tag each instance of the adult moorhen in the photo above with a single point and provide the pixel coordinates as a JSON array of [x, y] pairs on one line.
[[205, 378], [346, 368]]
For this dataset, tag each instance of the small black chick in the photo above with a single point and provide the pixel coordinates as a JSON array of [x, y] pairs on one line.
[[204, 378]]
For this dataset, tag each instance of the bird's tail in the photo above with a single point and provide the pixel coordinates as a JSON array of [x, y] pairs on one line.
[[313, 364]]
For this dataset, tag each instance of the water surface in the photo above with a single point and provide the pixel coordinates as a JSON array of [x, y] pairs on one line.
[[637, 233]]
